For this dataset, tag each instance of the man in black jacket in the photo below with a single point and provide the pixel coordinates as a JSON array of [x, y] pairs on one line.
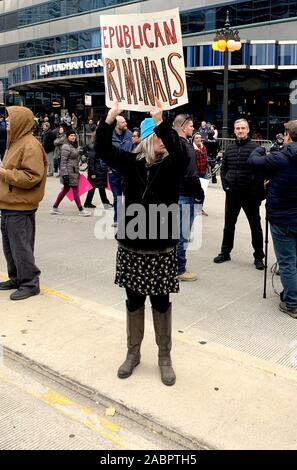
[[190, 193], [243, 190]]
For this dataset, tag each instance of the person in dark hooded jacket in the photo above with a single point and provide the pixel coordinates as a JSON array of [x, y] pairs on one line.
[[282, 210], [22, 183]]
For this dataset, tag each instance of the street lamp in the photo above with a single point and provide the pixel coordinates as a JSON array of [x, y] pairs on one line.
[[226, 40]]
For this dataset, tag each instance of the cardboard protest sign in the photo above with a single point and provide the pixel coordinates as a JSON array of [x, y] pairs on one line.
[[143, 58]]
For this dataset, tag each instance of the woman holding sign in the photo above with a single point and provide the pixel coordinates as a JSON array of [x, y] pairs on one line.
[[148, 230]]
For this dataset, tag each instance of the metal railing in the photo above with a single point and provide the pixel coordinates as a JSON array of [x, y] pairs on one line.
[[224, 142]]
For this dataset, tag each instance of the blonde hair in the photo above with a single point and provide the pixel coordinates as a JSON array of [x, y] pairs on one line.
[[145, 149]]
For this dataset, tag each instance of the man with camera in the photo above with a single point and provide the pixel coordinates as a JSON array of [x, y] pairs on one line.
[[281, 168]]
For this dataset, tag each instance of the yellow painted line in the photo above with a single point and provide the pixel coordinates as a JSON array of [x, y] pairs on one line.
[[55, 293], [73, 410], [46, 291]]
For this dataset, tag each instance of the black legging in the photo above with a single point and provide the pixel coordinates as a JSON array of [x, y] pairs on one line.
[[136, 300], [102, 193]]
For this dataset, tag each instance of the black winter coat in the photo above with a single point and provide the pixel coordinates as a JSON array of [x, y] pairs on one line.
[[96, 167], [212, 147], [236, 174], [3, 137], [48, 139], [281, 169], [190, 185], [146, 187]]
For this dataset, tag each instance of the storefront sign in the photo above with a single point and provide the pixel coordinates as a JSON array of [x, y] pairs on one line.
[[46, 69], [143, 58]]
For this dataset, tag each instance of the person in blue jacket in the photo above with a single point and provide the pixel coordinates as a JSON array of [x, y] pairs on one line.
[[122, 139], [281, 169]]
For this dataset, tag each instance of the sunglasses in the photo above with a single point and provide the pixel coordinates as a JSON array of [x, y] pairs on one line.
[[188, 118]]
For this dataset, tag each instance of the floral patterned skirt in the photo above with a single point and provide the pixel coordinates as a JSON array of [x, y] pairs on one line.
[[147, 274]]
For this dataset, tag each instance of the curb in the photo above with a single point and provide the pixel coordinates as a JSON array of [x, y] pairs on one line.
[[147, 421]]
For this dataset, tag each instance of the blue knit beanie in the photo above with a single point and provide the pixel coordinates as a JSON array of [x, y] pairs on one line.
[[147, 127]]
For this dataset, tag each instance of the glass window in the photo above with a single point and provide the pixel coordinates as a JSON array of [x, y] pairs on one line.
[[280, 9], [95, 39], [237, 57], [72, 40], [218, 59], [189, 56], [206, 58], [244, 14], [192, 22], [221, 16], [261, 11], [293, 8], [287, 54], [263, 54], [200, 19], [11, 21], [210, 19]]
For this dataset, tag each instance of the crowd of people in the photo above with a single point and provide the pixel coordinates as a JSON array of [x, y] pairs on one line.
[[157, 164]]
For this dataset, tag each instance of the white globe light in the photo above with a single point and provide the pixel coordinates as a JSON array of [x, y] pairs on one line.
[[231, 44]]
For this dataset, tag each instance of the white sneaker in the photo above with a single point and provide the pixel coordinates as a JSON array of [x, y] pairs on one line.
[[56, 211], [84, 213]]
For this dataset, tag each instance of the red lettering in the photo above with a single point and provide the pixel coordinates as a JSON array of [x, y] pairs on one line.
[[176, 74], [146, 27], [165, 75], [158, 36], [170, 35], [119, 36], [146, 82], [111, 35], [140, 35], [129, 81], [135, 46], [137, 79], [103, 37], [127, 37], [120, 77], [157, 82], [111, 85]]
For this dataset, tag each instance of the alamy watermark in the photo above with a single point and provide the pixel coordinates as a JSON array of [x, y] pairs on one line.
[[152, 222]]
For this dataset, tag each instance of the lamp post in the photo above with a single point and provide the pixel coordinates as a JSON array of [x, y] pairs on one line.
[[226, 40]]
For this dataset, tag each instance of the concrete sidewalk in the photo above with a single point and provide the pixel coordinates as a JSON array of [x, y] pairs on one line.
[[222, 399]]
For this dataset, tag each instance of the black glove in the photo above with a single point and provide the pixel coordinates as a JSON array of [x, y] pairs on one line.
[[65, 180]]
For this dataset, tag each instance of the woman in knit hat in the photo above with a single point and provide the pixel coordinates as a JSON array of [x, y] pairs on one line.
[[146, 259], [69, 174]]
